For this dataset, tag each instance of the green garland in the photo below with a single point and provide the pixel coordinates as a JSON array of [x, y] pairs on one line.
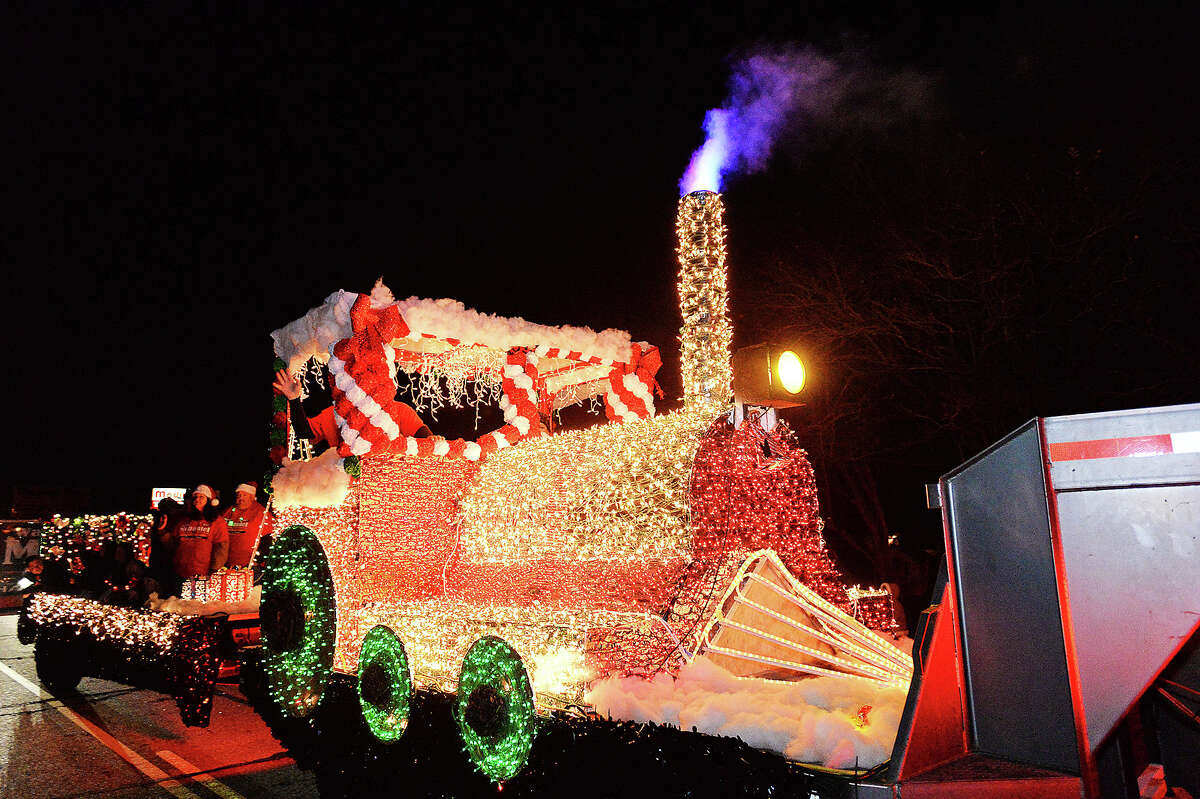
[[495, 708], [299, 619], [276, 433]]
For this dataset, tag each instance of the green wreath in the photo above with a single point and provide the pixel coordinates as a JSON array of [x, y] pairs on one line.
[[495, 708], [299, 620], [384, 684]]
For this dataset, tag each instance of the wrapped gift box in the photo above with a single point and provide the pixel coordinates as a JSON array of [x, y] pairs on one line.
[[227, 585]]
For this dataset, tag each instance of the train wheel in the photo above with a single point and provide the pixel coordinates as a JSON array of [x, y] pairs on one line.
[[384, 684], [298, 618], [495, 709]]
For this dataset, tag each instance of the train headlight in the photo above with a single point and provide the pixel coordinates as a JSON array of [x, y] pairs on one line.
[[769, 376]]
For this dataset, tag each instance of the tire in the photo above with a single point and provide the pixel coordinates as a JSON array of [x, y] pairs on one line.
[[385, 684], [494, 709], [298, 617], [56, 664]]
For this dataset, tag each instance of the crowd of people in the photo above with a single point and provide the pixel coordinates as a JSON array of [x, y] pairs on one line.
[[187, 541]]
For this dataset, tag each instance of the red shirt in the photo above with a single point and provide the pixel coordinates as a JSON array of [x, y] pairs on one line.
[[324, 425], [325, 429], [195, 539], [406, 419], [241, 528]]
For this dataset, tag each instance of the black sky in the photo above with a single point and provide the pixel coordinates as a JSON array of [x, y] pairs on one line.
[[183, 180]]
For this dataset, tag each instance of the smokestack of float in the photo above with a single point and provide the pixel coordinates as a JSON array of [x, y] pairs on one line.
[[706, 335]]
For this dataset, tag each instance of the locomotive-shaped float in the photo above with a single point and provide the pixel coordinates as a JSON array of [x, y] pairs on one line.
[[515, 570]]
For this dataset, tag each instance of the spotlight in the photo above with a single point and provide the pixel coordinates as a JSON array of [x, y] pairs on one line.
[[767, 375]]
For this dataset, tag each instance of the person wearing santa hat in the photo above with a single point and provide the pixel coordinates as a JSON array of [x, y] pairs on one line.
[[197, 542], [241, 525]]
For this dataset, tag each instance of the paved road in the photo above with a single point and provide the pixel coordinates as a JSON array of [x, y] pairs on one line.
[[115, 741]]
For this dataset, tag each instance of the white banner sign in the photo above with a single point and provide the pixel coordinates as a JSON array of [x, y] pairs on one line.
[[159, 494]]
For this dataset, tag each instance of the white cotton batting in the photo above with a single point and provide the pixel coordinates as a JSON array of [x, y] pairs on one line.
[[447, 318], [810, 720], [319, 483]]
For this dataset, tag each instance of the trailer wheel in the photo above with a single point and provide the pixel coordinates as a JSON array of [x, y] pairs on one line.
[[298, 618], [495, 708], [56, 665], [385, 684]]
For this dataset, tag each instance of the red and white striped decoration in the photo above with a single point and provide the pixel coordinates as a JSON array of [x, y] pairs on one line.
[[545, 351], [519, 403], [632, 385], [364, 389]]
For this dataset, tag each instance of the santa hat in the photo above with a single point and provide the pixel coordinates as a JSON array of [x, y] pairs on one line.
[[250, 488], [204, 491]]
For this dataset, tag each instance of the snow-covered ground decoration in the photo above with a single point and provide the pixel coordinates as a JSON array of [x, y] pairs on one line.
[[818, 720]]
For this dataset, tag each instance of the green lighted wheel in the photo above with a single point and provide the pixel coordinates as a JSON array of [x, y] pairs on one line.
[[384, 684], [298, 618], [495, 709]]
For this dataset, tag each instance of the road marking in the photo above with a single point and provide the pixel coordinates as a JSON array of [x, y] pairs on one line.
[[128, 755], [202, 777]]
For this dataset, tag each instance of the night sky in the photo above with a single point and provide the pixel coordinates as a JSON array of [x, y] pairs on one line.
[[180, 182]]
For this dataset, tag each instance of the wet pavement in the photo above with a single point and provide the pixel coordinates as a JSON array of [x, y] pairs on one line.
[[111, 740]]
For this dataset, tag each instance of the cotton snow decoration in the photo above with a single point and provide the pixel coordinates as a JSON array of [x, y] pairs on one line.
[[451, 319], [808, 721], [319, 483], [193, 607], [313, 334]]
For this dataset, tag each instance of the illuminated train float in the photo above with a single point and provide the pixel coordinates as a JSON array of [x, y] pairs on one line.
[[515, 570]]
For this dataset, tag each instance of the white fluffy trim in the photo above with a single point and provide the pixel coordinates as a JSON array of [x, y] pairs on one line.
[[313, 334], [451, 319], [319, 483], [318, 330]]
